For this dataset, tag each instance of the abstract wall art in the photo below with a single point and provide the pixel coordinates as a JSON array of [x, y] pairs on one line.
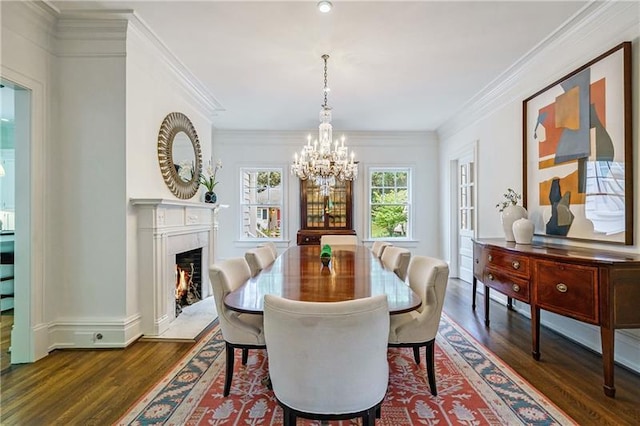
[[577, 152]]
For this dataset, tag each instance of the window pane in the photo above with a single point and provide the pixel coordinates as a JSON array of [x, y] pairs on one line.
[[402, 179], [261, 203], [377, 179], [389, 179], [261, 222], [388, 221], [376, 195]]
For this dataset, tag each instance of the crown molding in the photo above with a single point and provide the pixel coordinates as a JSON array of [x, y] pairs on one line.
[[34, 20], [297, 138], [507, 86], [198, 92], [104, 33]]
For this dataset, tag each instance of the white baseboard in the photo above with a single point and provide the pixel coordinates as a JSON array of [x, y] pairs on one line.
[[92, 334]]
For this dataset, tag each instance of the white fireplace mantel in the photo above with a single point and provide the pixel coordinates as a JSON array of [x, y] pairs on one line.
[[165, 228]]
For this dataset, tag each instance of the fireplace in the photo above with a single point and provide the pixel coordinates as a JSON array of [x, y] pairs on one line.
[[167, 230], [188, 278]]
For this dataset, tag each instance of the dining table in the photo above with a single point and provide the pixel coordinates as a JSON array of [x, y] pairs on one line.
[[354, 272]]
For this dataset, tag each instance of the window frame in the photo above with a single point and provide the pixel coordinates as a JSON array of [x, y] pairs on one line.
[[408, 203], [242, 204]]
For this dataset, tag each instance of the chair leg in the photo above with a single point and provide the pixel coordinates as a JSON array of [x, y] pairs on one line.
[[245, 356], [416, 354], [431, 368], [379, 411], [369, 418], [229, 373], [288, 417]]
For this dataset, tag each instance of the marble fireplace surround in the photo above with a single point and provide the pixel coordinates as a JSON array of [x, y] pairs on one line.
[[165, 228]]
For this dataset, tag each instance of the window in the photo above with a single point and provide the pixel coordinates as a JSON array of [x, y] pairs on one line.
[[389, 202], [262, 203], [466, 198]]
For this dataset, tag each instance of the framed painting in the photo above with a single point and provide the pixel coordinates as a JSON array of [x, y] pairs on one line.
[[577, 152]]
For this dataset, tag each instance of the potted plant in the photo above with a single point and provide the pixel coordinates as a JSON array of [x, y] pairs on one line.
[[510, 212], [208, 180]]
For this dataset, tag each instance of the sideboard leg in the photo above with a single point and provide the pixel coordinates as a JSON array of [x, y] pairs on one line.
[[535, 332], [510, 303], [608, 335], [486, 306], [473, 295]]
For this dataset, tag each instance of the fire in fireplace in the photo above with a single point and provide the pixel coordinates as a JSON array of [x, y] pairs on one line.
[[188, 278]]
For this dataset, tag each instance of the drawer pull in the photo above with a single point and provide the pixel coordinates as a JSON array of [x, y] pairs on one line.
[[515, 264], [515, 288], [490, 258], [562, 287], [491, 277]]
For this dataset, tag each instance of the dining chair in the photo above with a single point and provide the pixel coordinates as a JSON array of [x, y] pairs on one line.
[[396, 259], [378, 247], [259, 258], [240, 331], [328, 360], [272, 247], [427, 277], [338, 240]]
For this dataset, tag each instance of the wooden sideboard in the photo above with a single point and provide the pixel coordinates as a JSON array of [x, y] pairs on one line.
[[594, 286]]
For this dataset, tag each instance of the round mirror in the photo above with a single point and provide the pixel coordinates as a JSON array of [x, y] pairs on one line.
[[184, 156], [179, 155]]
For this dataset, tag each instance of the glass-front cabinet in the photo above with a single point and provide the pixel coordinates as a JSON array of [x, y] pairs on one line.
[[324, 214]]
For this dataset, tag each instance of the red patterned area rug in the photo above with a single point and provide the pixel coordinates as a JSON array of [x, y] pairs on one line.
[[474, 388]]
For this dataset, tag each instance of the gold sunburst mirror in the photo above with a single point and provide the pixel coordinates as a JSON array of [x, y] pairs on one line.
[[179, 155]]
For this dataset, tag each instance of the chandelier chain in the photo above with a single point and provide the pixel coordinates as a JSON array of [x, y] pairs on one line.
[[325, 57]]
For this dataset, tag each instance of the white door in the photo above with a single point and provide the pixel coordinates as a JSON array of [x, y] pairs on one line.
[[466, 206]]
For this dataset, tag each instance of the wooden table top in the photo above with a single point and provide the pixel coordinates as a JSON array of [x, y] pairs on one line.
[[354, 273]]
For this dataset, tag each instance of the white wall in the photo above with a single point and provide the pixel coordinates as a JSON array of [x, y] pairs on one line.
[[154, 90], [495, 120], [96, 110], [417, 150]]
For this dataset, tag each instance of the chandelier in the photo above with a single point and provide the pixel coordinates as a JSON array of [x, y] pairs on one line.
[[324, 161]]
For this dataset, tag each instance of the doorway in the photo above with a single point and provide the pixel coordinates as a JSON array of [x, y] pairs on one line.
[[15, 131], [7, 219]]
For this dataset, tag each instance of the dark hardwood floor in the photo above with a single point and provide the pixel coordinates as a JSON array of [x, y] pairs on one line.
[[87, 387]]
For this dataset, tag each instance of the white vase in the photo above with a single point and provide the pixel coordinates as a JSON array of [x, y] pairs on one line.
[[523, 231], [509, 215]]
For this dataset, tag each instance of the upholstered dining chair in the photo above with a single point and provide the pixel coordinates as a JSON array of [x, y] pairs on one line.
[[427, 277], [258, 259], [378, 247], [396, 259], [272, 247], [241, 331], [338, 240], [328, 361]]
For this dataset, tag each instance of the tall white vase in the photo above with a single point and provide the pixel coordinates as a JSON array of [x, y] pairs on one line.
[[509, 215], [523, 231]]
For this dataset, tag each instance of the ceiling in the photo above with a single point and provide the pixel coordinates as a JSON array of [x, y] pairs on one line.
[[394, 66]]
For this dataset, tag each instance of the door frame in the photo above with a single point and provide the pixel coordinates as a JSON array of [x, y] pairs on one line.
[[29, 336]]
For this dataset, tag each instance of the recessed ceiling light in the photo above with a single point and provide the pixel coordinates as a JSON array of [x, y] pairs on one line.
[[324, 6]]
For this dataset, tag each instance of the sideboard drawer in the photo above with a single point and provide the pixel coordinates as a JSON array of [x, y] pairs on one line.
[[567, 289], [508, 262], [507, 284]]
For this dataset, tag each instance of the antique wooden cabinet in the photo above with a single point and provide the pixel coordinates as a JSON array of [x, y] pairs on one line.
[[324, 214], [594, 286]]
